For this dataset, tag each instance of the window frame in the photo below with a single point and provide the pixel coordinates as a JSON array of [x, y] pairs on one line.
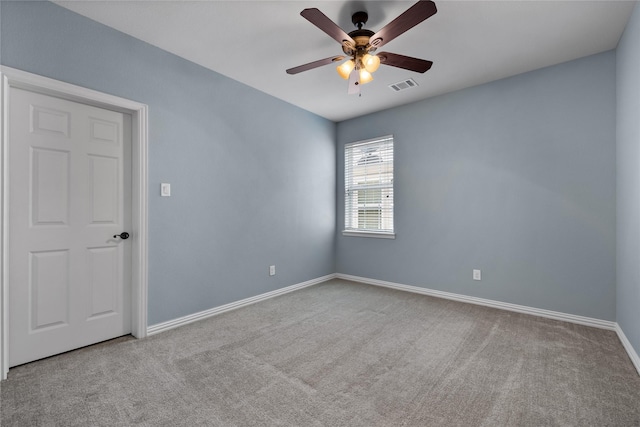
[[387, 186]]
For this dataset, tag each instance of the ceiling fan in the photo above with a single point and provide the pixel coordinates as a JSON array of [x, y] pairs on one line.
[[359, 45]]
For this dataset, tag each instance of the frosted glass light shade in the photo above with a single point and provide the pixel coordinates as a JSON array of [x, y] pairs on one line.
[[371, 62], [365, 77], [345, 69]]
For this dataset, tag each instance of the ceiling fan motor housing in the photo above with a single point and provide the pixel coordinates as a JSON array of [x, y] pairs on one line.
[[360, 36]]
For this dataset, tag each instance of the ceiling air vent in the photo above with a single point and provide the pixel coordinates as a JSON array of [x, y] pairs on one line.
[[403, 85]]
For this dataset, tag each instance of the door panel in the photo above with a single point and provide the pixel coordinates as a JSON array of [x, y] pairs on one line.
[[104, 274], [104, 189], [49, 121], [69, 279], [49, 289], [49, 187]]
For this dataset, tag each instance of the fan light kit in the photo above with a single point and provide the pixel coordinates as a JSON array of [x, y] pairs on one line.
[[360, 45]]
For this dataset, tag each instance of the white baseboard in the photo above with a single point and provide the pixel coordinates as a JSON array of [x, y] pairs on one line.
[[556, 315], [165, 326], [635, 359]]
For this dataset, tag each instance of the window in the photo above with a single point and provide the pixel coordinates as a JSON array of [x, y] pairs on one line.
[[368, 178]]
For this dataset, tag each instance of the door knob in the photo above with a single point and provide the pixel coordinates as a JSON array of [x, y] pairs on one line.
[[124, 235]]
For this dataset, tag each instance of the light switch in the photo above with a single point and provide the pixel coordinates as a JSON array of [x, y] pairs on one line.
[[165, 189]]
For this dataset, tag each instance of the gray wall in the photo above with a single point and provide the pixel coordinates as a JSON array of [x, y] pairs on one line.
[[247, 191], [628, 180], [514, 177]]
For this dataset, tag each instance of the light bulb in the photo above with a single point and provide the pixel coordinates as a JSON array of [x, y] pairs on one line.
[[371, 62], [365, 77], [345, 69]]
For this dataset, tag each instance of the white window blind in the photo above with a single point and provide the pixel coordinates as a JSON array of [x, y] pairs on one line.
[[368, 177]]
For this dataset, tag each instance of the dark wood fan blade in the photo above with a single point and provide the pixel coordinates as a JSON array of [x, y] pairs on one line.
[[314, 64], [321, 21], [407, 20], [406, 62]]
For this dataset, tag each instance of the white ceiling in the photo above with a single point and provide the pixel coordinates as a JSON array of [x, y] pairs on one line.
[[470, 42]]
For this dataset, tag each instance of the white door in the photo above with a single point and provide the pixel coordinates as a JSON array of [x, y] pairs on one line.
[[69, 194]]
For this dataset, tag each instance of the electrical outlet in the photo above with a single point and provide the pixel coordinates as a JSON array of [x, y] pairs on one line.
[[272, 270], [477, 274]]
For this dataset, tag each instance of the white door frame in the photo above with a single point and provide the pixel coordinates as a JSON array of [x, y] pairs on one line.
[[13, 78]]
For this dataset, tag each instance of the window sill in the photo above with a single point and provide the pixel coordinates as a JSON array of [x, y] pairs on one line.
[[377, 235]]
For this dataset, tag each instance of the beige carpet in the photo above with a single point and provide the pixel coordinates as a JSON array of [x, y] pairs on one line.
[[338, 354]]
